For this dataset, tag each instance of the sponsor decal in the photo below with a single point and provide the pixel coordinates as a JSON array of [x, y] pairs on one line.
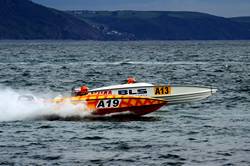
[[106, 92], [162, 90], [109, 103], [132, 91]]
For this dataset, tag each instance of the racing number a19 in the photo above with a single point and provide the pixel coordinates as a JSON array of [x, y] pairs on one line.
[[162, 90], [109, 103]]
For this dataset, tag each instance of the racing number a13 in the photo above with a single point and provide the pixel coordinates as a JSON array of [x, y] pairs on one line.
[[109, 103], [162, 90]]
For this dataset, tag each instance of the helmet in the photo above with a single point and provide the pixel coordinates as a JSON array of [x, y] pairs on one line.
[[131, 80], [84, 89]]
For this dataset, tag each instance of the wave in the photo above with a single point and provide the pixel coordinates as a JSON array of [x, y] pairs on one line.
[[139, 63]]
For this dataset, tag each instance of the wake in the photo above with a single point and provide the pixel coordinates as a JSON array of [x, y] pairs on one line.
[[13, 109]]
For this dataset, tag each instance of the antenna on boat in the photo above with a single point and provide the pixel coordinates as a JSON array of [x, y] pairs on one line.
[[168, 87], [168, 82]]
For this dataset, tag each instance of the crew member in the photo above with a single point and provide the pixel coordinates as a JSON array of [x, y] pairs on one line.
[[83, 90], [131, 80]]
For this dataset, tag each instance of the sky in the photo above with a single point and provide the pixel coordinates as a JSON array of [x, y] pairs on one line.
[[225, 8]]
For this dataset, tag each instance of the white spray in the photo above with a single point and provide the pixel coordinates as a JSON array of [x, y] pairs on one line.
[[12, 109]]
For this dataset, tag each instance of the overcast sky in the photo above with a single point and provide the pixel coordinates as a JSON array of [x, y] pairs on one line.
[[226, 8]]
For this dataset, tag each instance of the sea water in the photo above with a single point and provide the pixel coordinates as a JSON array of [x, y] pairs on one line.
[[214, 131]]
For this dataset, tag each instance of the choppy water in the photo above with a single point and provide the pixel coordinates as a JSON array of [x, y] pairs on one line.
[[215, 131]]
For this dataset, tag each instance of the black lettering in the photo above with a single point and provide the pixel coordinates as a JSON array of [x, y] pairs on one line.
[[157, 91], [101, 104], [131, 92], [109, 103], [142, 91], [122, 92], [115, 103], [162, 90], [166, 90]]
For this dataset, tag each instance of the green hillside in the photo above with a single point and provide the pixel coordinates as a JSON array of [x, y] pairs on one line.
[[163, 25]]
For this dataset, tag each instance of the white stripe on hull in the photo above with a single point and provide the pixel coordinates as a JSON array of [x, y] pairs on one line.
[[179, 99]]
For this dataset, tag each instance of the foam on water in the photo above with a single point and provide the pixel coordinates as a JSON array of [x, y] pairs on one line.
[[12, 109]]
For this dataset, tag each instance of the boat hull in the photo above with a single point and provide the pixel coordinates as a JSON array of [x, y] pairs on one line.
[[98, 104], [174, 94]]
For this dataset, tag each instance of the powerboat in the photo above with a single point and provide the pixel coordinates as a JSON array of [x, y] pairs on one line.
[[133, 98]]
